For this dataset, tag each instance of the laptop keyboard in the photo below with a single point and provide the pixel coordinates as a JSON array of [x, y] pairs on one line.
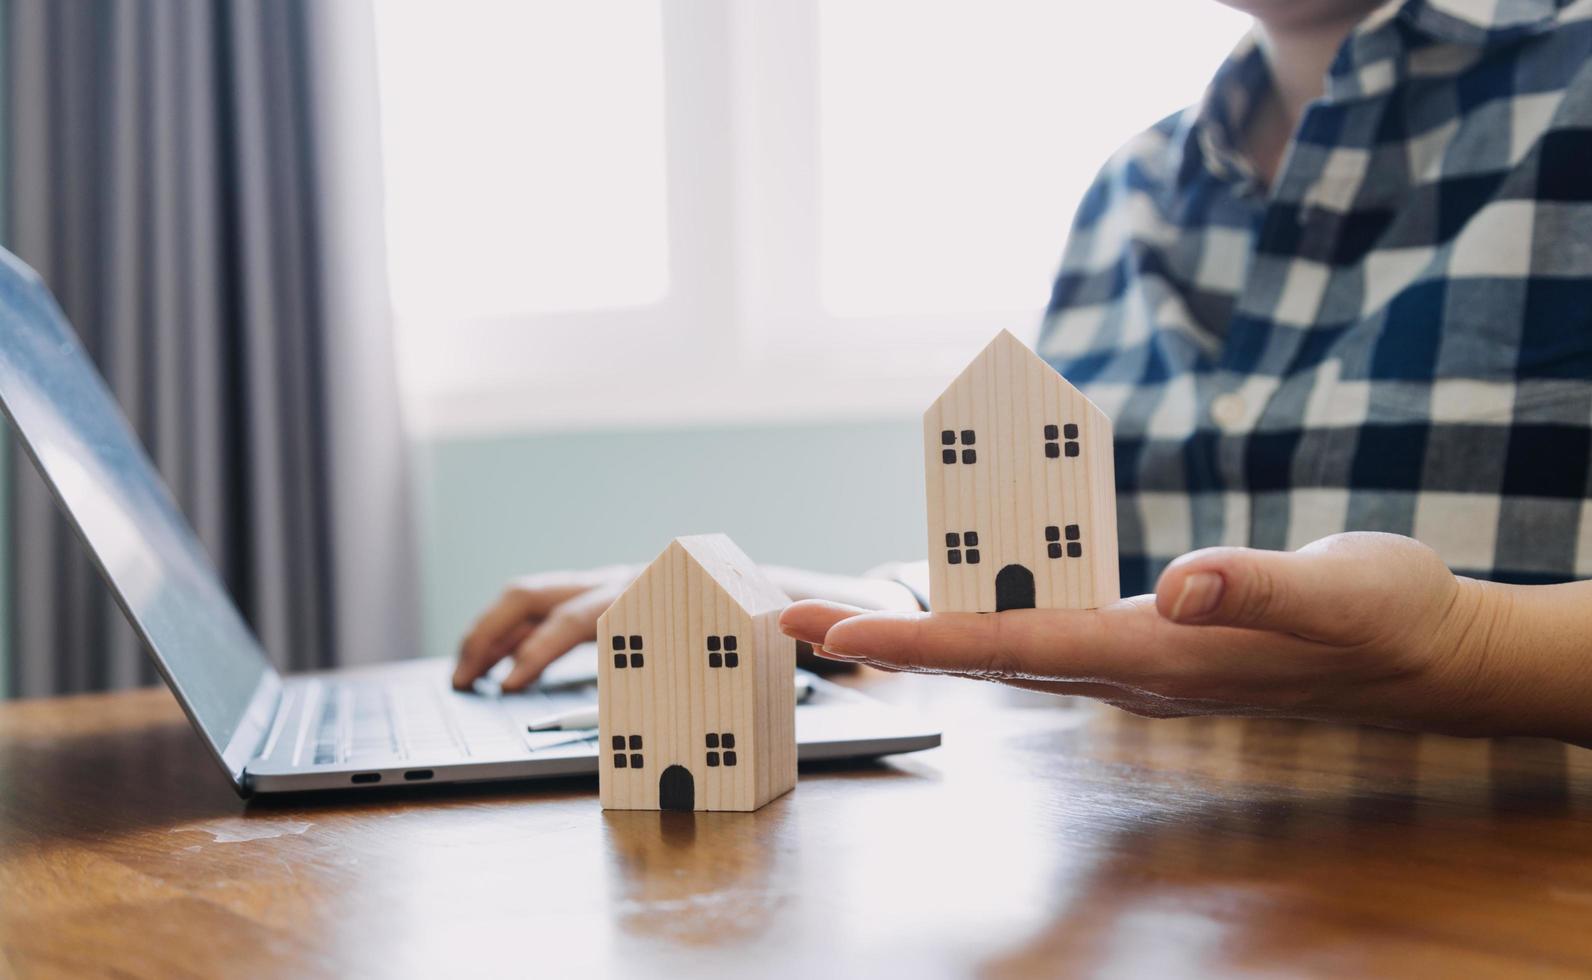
[[374, 722]]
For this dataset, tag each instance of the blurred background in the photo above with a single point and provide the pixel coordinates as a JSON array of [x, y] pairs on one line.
[[408, 297]]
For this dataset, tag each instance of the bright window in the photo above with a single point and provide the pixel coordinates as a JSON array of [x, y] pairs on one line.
[[956, 137], [646, 210], [524, 155]]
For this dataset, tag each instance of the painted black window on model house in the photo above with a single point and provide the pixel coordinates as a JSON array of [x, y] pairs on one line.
[[720, 749], [635, 658], [1053, 546], [961, 546], [948, 441], [1055, 448], [630, 759], [723, 651]]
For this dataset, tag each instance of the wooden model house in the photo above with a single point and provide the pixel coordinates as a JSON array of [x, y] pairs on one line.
[[696, 685], [1021, 489]]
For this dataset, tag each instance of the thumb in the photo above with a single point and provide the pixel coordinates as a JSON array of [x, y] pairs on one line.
[[1311, 593]]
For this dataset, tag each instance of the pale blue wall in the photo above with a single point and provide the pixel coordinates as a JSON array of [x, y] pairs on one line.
[[835, 497]]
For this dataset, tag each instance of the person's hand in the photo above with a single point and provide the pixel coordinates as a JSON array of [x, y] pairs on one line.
[[1358, 627], [539, 618]]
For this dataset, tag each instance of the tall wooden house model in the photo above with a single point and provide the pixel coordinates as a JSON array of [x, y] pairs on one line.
[[1021, 489], [696, 685]]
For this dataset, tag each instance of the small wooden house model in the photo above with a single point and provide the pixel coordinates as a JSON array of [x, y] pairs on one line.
[[696, 685], [1021, 488]]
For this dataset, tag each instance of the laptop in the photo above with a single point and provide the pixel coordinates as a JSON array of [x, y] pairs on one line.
[[396, 724]]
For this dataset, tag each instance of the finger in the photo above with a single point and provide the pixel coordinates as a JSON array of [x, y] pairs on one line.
[[476, 659], [492, 636], [483, 645], [1325, 591], [466, 673], [1126, 644], [506, 644], [1115, 644], [1099, 692], [565, 627], [810, 620]]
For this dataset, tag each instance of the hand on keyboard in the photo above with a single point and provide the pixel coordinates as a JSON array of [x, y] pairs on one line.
[[537, 620], [540, 618]]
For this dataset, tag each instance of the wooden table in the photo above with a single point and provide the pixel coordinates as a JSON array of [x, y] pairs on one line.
[[1046, 837]]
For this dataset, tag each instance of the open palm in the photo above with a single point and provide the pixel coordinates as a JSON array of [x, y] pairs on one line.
[[1359, 627]]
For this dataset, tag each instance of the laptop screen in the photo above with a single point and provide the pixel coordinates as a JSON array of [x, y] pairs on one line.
[[87, 452]]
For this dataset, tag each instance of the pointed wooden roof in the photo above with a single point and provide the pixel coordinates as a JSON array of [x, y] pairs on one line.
[[1009, 352], [727, 566]]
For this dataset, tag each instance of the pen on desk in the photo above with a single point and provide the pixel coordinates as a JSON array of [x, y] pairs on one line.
[[584, 717]]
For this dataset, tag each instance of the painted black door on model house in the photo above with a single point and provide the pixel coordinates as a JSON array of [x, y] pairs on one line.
[[676, 789], [1014, 588]]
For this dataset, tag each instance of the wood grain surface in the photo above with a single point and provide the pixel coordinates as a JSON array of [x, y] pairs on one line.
[[1045, 838], [662, 704], [1019, 482]]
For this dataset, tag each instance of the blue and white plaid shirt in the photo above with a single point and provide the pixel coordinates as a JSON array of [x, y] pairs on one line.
[[1396, 336]]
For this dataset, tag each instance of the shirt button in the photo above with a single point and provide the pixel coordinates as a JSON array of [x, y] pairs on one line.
[[1229, 410]]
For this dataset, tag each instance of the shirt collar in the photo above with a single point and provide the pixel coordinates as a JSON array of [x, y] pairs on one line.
[[1216, 124], [1377, 54], [1369, 63], [1478, 23]]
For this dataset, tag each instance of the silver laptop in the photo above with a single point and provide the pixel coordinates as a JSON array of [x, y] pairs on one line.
[[393, 725]]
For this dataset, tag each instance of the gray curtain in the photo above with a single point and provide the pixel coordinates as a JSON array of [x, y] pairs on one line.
[[197, 181]]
